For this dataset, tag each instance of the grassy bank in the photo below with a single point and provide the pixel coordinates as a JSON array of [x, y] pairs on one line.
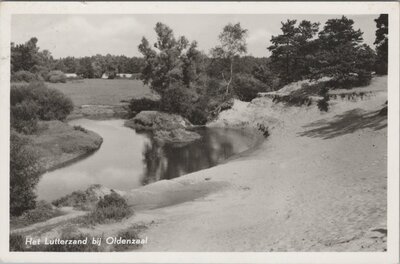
[[59, 143]]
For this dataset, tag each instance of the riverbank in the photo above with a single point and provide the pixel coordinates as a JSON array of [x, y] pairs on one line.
[[59, 144]]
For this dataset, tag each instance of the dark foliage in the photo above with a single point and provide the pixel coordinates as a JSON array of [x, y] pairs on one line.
[[36, 101], [112, 207], [142, 104], [381, 42], [246, 87], [263, 129], [24, 174], [24, 76]]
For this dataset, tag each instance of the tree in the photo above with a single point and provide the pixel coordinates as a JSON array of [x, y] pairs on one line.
[[381, 43], [233, 44], [85, 68], [24, 174], [24, 56], [173, 61], [341, 55], [291, 50]]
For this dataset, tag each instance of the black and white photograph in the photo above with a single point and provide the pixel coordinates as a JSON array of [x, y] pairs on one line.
[[191, 131]]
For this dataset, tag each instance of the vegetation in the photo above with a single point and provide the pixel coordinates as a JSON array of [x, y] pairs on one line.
[[24, 174], [111, 207], [381, 42], [233, 44], [35, 101], [42, 212], [27, 57], [143, 104], [56, 76], [101, 92]]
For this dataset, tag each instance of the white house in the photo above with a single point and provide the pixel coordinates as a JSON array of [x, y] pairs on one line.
[[124, 75], [71, 75]]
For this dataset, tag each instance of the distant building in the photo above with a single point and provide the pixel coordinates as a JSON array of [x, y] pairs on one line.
[[71, 75], [124, 75]]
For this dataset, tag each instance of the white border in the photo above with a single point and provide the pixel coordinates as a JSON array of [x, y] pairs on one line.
[[391, 8]]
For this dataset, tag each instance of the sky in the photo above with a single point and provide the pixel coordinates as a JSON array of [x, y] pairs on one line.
[[86, 35]]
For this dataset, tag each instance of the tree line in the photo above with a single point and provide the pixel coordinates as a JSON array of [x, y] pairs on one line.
[[29, 58]]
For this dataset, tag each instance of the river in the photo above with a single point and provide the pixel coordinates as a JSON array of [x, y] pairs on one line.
[[128, 160]]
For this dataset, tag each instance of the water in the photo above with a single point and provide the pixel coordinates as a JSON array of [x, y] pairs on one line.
[[128, 160]]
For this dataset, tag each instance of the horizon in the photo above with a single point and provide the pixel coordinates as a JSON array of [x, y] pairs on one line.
[[119, 35]]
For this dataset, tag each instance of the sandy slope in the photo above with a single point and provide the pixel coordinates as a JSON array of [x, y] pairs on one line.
[[317, 184]]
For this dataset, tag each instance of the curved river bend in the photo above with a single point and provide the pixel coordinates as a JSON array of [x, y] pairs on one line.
[[128, 160]]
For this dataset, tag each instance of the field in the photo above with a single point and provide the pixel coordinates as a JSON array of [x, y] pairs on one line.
[[101, 91]]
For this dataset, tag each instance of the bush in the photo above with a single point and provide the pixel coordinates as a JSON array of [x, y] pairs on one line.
[[361, 78], [79, 128], [52, 103], [17, 243], [42, 212], [81, 200], [263, 129], [112, 207], [246, 87], [177, 99], [323, 104], [142, 104], [24, 76], [23, 116], [56, 77], [24, 174]]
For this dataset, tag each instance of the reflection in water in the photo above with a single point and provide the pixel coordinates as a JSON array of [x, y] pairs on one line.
[[170, 161], [128, 160]]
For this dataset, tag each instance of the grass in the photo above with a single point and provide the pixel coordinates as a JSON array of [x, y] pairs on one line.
[[43, 212], [101, 91], [58, 140]]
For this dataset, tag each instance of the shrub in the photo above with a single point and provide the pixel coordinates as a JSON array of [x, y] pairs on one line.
[[24, 76], [246, 87], [56, 77], [42, 212], [137, 105], [112, 207], [79, 128], [81, 200], [177, 99], [263, 129], [323, 104], [17, 243], [23, 116], [361, 78], [24, 174], [52, 103]]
